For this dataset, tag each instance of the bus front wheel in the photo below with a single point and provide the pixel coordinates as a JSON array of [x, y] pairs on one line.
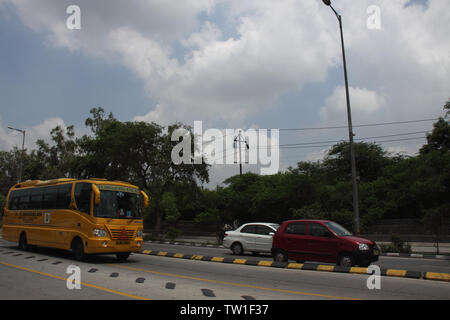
[[122, 256], [78, 249]]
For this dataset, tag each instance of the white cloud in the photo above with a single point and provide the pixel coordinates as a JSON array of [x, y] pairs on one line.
[[362, 101], [241, 75], [195, 68], [317, 155], [278, 47]]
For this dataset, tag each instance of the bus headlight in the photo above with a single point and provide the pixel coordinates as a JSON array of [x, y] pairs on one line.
[[99, 233]]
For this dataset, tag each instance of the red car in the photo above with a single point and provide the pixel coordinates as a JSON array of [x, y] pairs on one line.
[[323, 241]]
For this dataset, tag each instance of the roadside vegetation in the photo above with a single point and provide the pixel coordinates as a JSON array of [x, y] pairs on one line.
[[390, 185]]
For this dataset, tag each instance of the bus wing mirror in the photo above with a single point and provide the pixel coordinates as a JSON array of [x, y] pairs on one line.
[[145, 196], [96, 194]]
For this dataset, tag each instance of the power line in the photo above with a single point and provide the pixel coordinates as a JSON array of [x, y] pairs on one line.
[[359, 139], [337, 141], [358, 126], [330, 145], [318, 146]]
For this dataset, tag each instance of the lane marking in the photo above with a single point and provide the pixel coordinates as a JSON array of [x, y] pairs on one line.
[[323, 267], [396, 273], [358, 270], [437, 276], [294, 265], [264, 263], [235, 284], [208, 293], [217, 259], [239, 261], [170, 285], [65, 279]]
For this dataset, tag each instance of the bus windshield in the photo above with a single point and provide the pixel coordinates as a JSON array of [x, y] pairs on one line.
[[118, 204]]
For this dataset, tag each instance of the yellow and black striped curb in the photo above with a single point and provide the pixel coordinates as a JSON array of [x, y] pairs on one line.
[[303, 266]]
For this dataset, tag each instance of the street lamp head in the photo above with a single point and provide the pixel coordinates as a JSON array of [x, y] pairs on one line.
[[327, 2]]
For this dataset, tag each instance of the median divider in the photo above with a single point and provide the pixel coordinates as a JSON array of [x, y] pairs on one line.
[[304, 266]]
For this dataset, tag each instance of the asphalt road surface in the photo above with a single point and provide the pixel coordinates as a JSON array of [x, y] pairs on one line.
[[43, 273]]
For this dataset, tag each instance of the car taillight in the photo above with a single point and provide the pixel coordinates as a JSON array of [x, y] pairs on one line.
[[226, 234]]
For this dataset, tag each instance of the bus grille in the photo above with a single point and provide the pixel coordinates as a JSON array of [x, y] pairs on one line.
[[122, 234]]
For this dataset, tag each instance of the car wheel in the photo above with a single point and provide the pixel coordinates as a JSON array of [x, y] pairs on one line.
[[280, 256], [237, 249], [345, 260]]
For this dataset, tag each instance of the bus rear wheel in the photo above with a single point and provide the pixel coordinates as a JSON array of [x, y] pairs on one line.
[[23, 243]]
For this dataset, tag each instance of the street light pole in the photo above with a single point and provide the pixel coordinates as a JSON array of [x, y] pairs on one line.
[[23, 151], [350, 127]]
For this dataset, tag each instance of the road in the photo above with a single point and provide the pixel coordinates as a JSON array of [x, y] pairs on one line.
[[42, 274], [410, 264]]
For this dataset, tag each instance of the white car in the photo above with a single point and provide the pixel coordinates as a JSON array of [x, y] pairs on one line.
[[254, 237]]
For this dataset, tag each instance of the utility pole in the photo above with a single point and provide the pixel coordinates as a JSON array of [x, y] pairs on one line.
[[238, 140], [350, 127]]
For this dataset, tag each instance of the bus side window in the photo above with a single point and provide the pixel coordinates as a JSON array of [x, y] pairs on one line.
[[24, 199], [49, 199], [36, 199], [13, 201], [63, 197], [83, 197]]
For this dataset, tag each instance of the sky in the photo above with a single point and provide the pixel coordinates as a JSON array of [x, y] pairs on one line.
[[230, 64]]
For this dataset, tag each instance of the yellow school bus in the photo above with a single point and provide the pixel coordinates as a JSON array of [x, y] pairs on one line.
[[85, 216]]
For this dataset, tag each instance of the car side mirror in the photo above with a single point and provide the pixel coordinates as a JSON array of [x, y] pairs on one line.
[[96, 194], [145, 198], [271, 234]]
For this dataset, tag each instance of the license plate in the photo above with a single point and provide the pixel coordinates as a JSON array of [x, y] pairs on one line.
[[122, 243]]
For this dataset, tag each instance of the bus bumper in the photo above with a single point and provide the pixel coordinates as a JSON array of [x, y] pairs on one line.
[[112, 246]]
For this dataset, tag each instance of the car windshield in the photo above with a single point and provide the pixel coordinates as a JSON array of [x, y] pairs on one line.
[[118, 204], [275, 226], [338, 229]]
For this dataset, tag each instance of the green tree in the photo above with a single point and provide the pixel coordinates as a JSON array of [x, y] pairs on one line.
[[56, 160], [439, 138], [436, 220], [169, 206], [138, 152]]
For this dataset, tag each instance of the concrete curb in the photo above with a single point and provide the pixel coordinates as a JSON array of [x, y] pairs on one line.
[[416, 255], [303, 266], [187, 243], [383, 254]]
